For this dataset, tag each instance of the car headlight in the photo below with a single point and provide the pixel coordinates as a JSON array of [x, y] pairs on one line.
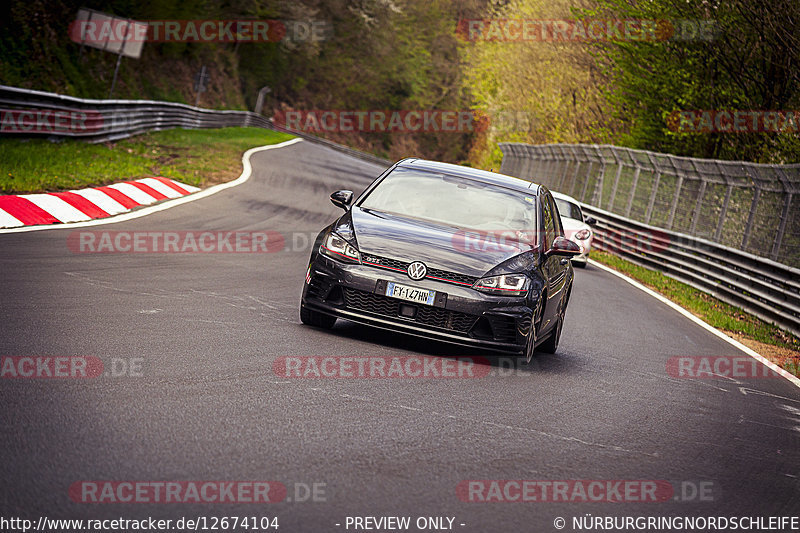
[[504, 285], [336, 247], [583, 234]]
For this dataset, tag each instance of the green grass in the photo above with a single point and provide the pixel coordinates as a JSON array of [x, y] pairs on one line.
[[196, 157], [717, 313]]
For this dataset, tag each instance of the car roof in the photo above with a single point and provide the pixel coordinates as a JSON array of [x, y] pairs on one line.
[[562, 196], [472, 173]]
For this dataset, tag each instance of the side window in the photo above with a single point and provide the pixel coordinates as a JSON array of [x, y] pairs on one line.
[[549, 225], [559, 229]]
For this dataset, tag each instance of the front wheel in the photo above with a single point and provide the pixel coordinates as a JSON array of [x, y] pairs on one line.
[[530, 346], [315, 318], [551, 344]]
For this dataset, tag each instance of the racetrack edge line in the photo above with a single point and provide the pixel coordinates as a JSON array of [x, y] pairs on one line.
[[705, 325], [247, 170]]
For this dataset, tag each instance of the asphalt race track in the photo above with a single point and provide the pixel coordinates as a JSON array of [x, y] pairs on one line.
[[201, 332]]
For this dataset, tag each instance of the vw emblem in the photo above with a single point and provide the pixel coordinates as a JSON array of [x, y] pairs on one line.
[[417, 270]]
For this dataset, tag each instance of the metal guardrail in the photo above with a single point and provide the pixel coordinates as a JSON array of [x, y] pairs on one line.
[[27, 112], [764, 288], [761, 286], [742, 205], [37, 113]]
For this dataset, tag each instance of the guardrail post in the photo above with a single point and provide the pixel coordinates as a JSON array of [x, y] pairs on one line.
[[577, 153], [517, 162], [547, 169], [698, 206], [652, 201], [565, 160], [724, 213], [563, 175], [511, 162], [776, 246], [616, 182], [633, 191], [589, 165], [555, 166], [751, 217], [586, 180], [674, 207], [530, 165], [597, 194], [508, 161]]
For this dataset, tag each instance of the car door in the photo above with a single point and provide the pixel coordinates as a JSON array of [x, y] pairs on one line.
[[555, 267]]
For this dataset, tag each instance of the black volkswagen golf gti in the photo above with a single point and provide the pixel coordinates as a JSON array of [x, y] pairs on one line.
[[445, 252]]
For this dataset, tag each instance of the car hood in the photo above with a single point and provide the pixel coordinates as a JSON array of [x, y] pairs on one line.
[[470, 252]]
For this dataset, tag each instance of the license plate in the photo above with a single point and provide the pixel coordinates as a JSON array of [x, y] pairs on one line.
[[411, 294]]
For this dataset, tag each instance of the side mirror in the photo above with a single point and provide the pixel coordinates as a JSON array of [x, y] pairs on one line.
[[591, 221], [342, 199], [563, 246]]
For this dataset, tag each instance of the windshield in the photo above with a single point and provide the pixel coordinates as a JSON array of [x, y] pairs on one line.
[[453, 201], [568, 209]]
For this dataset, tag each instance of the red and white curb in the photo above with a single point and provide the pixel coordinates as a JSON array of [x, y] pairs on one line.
[[87, 204], [161, 206]]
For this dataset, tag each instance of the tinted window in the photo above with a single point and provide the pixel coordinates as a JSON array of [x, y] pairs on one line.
[[559, 229], [549, 224], [453, 201]]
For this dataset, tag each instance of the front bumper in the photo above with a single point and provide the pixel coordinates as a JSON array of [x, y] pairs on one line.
[[460, 314], [586, 247]]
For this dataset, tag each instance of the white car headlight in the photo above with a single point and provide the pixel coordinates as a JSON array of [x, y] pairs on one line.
[[337, 248], [504, 285]]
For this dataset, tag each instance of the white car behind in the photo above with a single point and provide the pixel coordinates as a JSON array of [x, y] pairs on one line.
[[576, 226]]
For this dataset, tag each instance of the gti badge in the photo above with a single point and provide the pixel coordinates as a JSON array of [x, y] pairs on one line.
[[417, 270]]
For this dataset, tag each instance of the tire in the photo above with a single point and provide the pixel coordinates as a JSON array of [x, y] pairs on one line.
[[530, 346], [551, 344], [315, 318], [580, 264]]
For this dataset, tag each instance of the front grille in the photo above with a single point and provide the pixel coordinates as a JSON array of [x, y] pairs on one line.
[[376, 260], [430, 316], [452, 276], [441, 275]]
